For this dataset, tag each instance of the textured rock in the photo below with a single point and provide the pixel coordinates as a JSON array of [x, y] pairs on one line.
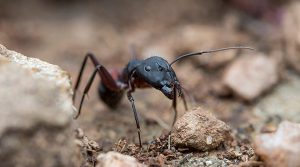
[[35, 114], [251, 75], [201, 130], [115, 159], [281, 148]]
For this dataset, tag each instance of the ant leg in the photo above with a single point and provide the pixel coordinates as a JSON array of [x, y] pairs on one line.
[[174, 105], [86, 89], [130, 98], [181, 92], [184, 101], [104, 74]]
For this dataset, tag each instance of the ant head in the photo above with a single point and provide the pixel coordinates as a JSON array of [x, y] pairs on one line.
[[158, 73]]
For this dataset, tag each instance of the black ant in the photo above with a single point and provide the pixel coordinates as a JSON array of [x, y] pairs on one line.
[[153, 72]]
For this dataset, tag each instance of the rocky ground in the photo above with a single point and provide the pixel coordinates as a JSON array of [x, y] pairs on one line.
[[243, 105]]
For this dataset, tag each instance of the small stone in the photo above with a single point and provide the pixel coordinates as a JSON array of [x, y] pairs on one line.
[[79, 133], [208, 140], [237, 153], [281, 148], [201, 130], [94, 145], [207, 163], [167, 152], [251, 75], [115, 159]]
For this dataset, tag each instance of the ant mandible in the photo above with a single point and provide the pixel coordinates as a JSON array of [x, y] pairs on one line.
[[153, 72]]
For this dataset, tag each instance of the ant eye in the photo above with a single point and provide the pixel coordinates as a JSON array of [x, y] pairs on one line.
[[147, 68]]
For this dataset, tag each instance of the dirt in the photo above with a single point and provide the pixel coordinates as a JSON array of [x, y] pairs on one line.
[[158, 153], [62, 32]]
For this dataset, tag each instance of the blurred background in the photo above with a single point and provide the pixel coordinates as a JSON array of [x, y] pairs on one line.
[[60, 31], [63, 31]]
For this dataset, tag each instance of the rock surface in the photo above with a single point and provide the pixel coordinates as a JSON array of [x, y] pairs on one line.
[[115, 159], [281, 148], [291, 34], [251, 75], [201, 130], [282, 103], [36, 112]]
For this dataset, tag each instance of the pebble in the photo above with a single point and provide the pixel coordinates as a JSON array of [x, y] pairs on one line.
[[115, 159], [251, 75], [201, 130]]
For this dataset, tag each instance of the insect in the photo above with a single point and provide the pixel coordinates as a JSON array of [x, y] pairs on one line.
[[153, 72]]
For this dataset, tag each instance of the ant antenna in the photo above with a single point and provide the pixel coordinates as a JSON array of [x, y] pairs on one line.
[[209, 51]]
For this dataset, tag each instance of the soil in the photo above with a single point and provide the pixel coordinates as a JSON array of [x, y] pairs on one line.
[[158, 153], [62, 32]]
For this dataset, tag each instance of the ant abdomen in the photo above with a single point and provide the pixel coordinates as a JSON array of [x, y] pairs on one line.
[[111, 98]]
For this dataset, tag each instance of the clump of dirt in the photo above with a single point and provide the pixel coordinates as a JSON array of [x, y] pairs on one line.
[[89, 149]]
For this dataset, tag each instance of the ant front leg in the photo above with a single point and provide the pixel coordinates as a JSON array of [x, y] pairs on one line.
[[174, 102], [174, 105], [105, 76], [181, 92], [130, 98], [184, 101]]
